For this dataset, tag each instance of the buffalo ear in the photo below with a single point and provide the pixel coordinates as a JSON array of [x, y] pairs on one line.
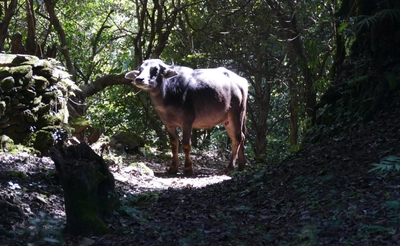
[[169, 72], [132, 75]]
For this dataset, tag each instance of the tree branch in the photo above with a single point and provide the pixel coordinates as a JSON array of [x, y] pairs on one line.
[[101, 83]]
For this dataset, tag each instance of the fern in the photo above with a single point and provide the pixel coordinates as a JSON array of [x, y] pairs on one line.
[[387, 164], [367, 22]]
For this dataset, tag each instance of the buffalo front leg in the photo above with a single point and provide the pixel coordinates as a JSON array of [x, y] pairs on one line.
[[173, 139], [186, 146]]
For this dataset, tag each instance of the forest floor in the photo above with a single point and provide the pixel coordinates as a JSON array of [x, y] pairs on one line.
[[325, 194]]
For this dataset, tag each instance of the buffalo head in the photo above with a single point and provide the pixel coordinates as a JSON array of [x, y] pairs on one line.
[[151, 73]]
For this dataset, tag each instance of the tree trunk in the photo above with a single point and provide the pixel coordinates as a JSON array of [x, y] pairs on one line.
[[30, 39], [293, 85], [293, 110], [290, 25], [8, 14], [89, 189], [259, 112], [61, 34]]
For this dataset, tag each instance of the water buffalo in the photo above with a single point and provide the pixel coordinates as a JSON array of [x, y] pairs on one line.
[[200, 99]]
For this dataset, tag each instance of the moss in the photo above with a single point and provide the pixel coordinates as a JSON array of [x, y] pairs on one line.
[[37, 100], [16, 174], [88, 222], [42, 140], [6, 143], [41, 83], [49, 136], [59, 117], [29, 116], [21, 70], [142, 168], [42, 108], [4, 72], [18, 148], [88, 190], [51, 119], [80, 123]]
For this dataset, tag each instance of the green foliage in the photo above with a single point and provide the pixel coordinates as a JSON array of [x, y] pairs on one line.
[[132, 201], [386, 165], [44, 231], [116, 109], [247, 37], [309, 234], [382, 17], [195, 238]]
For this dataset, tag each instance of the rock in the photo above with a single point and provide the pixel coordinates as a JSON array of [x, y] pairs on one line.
[[34, 94], [130, 141], [141, 168], [41, 83], [6, 143], [7, 83]]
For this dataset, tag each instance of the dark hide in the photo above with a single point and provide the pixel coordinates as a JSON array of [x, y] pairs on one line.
[[200, 98]]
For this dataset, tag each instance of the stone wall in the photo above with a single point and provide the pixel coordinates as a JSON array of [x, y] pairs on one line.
[[34, 95]]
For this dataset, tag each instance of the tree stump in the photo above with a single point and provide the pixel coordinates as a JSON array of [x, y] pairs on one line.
[[89, 189]]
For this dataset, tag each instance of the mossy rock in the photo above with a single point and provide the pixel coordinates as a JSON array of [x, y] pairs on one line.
[[3, 107], [16, 174], [48, 137], [45, 71], [41, 83], [42, 140], [80, 123], [4, 72], [29, 116], [41, 108], [21, 70], [142, 168], [130, 140], [7, 83], [25, 60], [6, 143], [37, 100]]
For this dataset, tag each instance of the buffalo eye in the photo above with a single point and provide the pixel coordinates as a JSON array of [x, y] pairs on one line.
[[153, 72], [140, 68]]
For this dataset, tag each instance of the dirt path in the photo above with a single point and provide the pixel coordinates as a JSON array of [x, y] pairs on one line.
[[323, 195]]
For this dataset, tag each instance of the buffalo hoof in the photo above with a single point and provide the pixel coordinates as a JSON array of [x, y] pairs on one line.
[[188, 171], [228, 170], [172, 170]]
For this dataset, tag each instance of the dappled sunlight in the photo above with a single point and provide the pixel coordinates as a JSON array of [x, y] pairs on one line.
[[148, 182], [148, 173]]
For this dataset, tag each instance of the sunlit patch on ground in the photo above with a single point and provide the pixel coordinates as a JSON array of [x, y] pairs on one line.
[[147, 173], [150, 182]]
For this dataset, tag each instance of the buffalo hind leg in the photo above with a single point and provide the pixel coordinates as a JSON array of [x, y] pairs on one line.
[[186, 146], [236, 131], [241, 159], [173, 139]]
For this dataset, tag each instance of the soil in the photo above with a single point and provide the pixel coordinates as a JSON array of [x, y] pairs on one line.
[[325, 194]]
